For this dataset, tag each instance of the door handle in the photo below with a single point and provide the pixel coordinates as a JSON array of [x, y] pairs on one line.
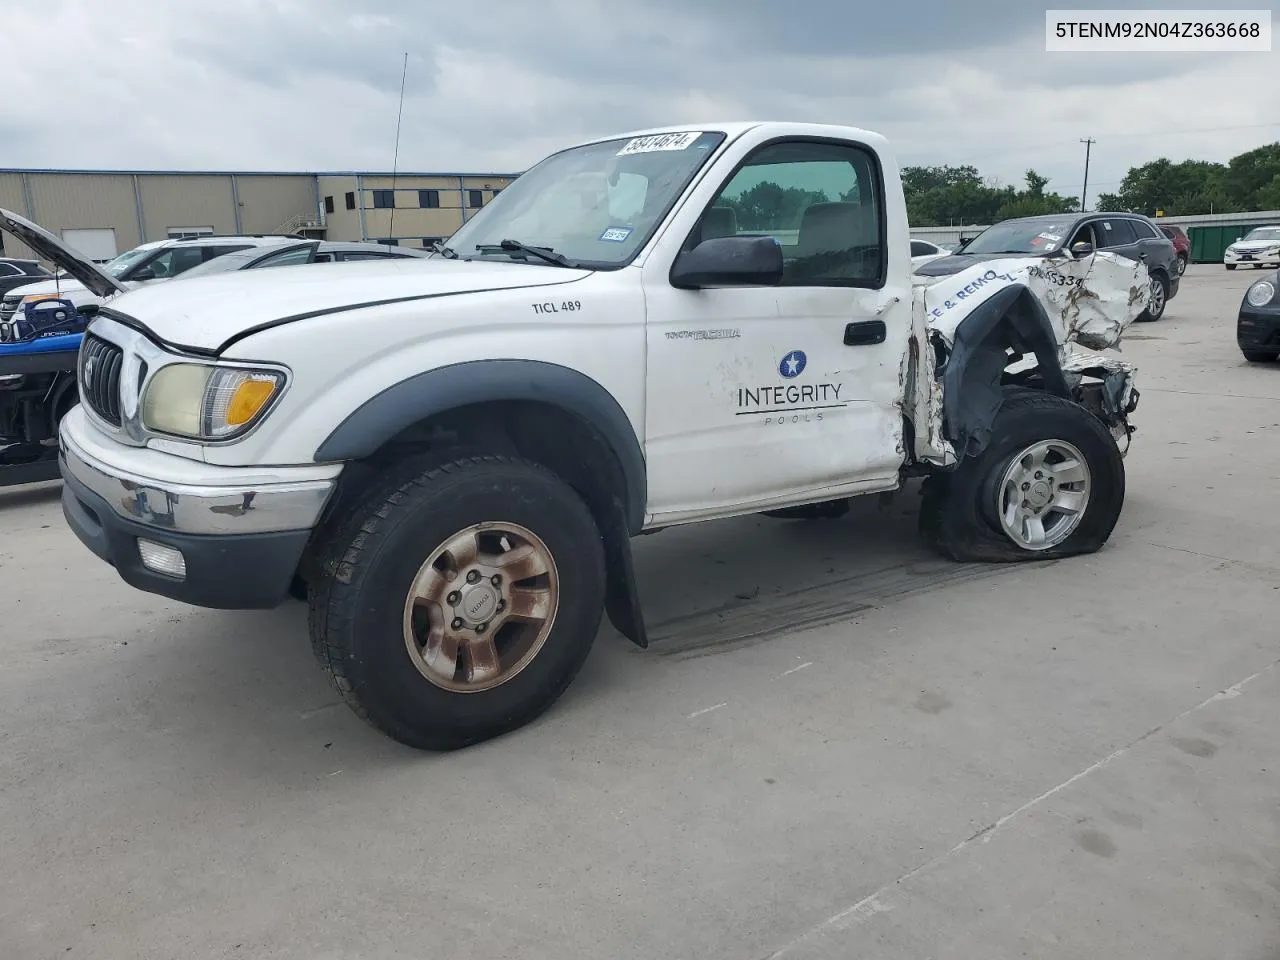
[[864, 333]]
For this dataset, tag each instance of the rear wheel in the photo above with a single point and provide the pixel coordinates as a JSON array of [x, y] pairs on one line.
[[1182, 264], [1261, 356], [459, 602], [1051, 486], [1159, 298]]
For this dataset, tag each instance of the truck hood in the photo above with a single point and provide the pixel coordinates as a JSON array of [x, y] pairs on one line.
[[205, 314], [1089, 301], [56, 252]]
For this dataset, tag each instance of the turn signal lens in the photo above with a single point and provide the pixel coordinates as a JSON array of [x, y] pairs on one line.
[[247, 398]]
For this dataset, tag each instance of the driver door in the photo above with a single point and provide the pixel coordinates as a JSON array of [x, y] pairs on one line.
[[767, 395]]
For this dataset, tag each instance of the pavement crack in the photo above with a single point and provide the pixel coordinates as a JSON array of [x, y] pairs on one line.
[[871, 904]]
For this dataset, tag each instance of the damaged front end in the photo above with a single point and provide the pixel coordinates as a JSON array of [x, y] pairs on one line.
[[1034, 322]]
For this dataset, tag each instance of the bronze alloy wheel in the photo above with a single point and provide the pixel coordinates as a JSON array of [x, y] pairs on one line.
[[481, 607]]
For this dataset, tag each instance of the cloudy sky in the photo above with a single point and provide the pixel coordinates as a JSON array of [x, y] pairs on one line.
[[314, 84]]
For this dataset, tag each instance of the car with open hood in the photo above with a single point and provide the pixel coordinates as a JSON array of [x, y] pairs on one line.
[[152, 262], [447, 458], [1127, 235]]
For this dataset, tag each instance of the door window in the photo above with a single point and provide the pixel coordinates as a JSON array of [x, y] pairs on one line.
[[921, 249], [819, 201], [286, 258], [1115, 233]]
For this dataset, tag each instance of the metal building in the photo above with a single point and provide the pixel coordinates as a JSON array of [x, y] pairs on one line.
[[102, 213]]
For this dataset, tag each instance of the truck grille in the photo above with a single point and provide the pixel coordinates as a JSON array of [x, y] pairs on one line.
[[100, 364]]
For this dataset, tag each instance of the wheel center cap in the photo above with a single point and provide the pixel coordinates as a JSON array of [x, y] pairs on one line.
[[1040, 494], [479, 603]]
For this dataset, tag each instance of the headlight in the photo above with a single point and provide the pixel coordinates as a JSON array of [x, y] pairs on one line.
[[1261, 293], [208, 403]]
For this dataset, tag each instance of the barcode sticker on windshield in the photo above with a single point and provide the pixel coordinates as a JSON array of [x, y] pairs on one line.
[[660, 141]]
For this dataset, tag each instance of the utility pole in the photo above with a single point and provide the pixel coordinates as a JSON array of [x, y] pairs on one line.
[[1084, 193]]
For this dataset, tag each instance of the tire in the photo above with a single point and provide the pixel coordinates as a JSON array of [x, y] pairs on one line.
[[1159, 291], [1182, 264], [1261, 356], [960, 512], [358, 603], [1229, 266]]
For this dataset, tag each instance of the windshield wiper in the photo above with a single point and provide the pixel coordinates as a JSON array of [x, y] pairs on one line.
[[514, 246], [447, 252]]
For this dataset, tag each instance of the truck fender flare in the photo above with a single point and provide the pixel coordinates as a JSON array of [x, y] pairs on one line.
[[398, 407], [972, 391]]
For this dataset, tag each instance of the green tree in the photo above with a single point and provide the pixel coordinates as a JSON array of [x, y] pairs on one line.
[[1250, 173], [769, 206]]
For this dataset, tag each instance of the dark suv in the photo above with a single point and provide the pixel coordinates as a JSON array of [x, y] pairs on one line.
[[1128, 235]]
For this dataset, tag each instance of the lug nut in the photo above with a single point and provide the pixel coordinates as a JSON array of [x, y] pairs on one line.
[[1025, 486], [453, 598], [457, 623], [502, 605], [495, 580], [482, 628], [1039, 475], [473, 576]]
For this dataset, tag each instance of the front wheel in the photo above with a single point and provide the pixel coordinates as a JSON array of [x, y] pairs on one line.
[[1229, 266], [1260, 356], [459, 602], [1052, 485]]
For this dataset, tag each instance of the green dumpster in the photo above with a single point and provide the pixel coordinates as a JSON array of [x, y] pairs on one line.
[[1209, 244]]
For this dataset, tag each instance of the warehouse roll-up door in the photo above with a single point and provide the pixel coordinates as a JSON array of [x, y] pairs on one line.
[[95, 243]]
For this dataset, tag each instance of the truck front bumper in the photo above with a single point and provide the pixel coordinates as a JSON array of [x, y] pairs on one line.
[[227, 538]]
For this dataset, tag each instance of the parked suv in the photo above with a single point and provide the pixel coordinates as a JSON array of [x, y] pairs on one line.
[[1128, 235], [1181, 245], [158, 260]]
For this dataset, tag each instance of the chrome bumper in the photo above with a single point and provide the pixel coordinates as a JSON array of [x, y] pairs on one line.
[[233, 508]]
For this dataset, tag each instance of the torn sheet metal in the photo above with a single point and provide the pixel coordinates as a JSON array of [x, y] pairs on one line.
[[1117, 376], [1090, 301]]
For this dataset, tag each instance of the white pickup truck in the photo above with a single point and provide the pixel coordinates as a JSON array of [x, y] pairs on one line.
[[449, 458]]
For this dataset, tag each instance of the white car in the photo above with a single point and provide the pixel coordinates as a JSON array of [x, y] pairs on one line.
[[922, 251], [1260, 247], [144, 264], [448, 458]]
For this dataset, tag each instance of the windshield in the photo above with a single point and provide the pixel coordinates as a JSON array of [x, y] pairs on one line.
[[1025, 236], [130, 258], [230, 261], [1263, 233], [595, 205]]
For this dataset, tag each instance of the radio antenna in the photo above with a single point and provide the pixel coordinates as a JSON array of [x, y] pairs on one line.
[[395, 162]]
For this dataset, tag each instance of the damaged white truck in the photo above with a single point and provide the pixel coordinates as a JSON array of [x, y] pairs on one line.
[[449, 458]]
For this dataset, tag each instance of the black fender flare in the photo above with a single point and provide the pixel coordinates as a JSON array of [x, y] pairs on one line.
[[450, 387], [972, 392]]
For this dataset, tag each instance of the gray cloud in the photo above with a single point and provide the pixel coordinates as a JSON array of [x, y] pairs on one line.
[[313, 84]]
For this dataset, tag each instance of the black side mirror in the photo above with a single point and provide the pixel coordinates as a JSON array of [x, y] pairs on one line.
[[1081, 248], [146, 273], [729, 261]]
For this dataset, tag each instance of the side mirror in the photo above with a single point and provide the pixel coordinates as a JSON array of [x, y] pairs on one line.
[[146, 273], [1081, 249], [729, 261]]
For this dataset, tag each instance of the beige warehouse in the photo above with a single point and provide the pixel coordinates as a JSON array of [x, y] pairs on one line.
[[103, 213]]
